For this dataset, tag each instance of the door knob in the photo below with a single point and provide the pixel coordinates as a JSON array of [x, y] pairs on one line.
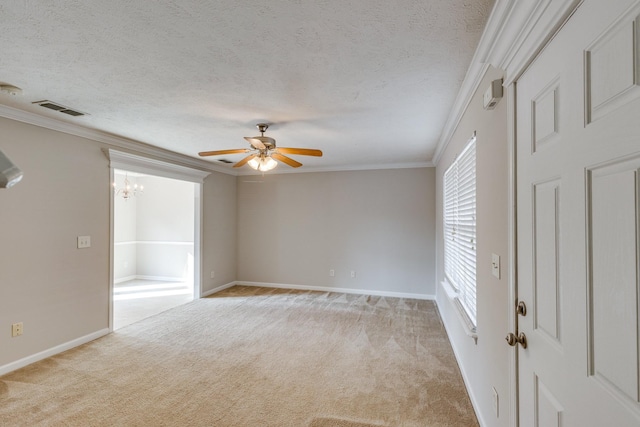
[[513, 339]]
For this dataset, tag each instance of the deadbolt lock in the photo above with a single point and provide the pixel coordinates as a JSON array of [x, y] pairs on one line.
[[521, 308], [513, 339]]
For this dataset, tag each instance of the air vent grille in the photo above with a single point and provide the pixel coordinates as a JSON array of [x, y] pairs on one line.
[[60, 108], [52, 106], [72, 112]]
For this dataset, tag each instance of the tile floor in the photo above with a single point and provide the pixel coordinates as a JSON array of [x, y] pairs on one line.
[[138, 299]]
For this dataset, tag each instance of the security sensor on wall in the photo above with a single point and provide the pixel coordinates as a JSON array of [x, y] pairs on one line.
[[492, 95], [10, 174]]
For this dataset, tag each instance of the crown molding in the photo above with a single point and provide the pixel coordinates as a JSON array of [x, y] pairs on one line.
[[531, 27], [110, 139], [281, 171], [140, 148], [515, 32]]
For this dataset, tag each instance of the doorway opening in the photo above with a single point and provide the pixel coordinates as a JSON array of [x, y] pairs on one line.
[[155, 237], [153, 245]]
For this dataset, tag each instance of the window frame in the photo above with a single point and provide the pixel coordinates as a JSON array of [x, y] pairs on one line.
[[459, 222]]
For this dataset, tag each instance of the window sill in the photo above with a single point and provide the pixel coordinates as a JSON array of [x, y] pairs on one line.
[[467, 325]]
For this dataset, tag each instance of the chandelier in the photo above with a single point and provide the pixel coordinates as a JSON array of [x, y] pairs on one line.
[[127, 190]]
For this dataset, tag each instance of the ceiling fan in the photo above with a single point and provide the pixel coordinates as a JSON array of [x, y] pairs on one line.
[[264, 153]]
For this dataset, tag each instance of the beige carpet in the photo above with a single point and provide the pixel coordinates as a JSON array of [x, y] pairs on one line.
[[254, 357]]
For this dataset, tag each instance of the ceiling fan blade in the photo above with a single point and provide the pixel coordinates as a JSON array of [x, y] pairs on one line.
[[221, 152], [301, 151], [255, 142], [244, 161], [287, 160]]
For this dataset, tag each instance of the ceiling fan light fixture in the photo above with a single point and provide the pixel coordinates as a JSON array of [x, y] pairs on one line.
[[263, 155], [262, 164]]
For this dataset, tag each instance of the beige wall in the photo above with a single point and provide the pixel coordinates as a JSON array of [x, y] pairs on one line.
[[294, 228], [59, 292], [219, 231], [485, 364]]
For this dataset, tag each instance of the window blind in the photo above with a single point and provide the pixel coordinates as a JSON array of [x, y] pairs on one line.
[[459, 204]]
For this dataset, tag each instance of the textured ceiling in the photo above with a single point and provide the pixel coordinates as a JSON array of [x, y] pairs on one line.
[[369, 82]]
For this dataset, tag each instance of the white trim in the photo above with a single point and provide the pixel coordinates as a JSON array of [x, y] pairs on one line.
[[124, 279], [134, 163], [499, 18], [10, 367], [514, 34], [218, 289], [467, 382], [310, 169], [338, 290], [153, 242], [111, 248], [198, 233], [156, 278], [511, 252], [452, 296], [536, 23], [166, 155], [106, 138], [161, 278]]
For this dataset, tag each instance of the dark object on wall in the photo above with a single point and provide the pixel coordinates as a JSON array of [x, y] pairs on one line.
[[10, 174]]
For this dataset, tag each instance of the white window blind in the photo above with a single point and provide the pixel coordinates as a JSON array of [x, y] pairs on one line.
[[460, 228]]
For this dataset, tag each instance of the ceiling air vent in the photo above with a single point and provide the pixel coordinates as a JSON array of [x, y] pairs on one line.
[[61, 108], [225, 161]]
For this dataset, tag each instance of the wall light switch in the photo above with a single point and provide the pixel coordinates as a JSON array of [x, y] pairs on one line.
[[84, 242], [332, 273], [213, 274], [353, 274], [495, 265]]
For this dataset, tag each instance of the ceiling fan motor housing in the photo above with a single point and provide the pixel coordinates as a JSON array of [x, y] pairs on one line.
[[270, 143]]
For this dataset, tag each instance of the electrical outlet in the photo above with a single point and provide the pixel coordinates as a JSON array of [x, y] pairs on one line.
[[332, 273], [17, 329], [495, 401], [353, 274], [84, 242]]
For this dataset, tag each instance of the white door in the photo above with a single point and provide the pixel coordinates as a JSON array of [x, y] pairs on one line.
[[578, 216]]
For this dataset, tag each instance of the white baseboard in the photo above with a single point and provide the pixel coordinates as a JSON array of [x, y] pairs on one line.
[[124, 279], [156, 278], [10, 367], [218, 289], [463, 372], [161, 278], [340, 290]]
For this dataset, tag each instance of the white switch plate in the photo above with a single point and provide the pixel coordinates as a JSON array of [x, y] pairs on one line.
[[353, 274], [213, 274], [17, 329], [84, 242], [332, 273], [495, 265]]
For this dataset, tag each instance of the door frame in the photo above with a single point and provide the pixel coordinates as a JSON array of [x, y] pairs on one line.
[[145, 165], [545, 21]]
